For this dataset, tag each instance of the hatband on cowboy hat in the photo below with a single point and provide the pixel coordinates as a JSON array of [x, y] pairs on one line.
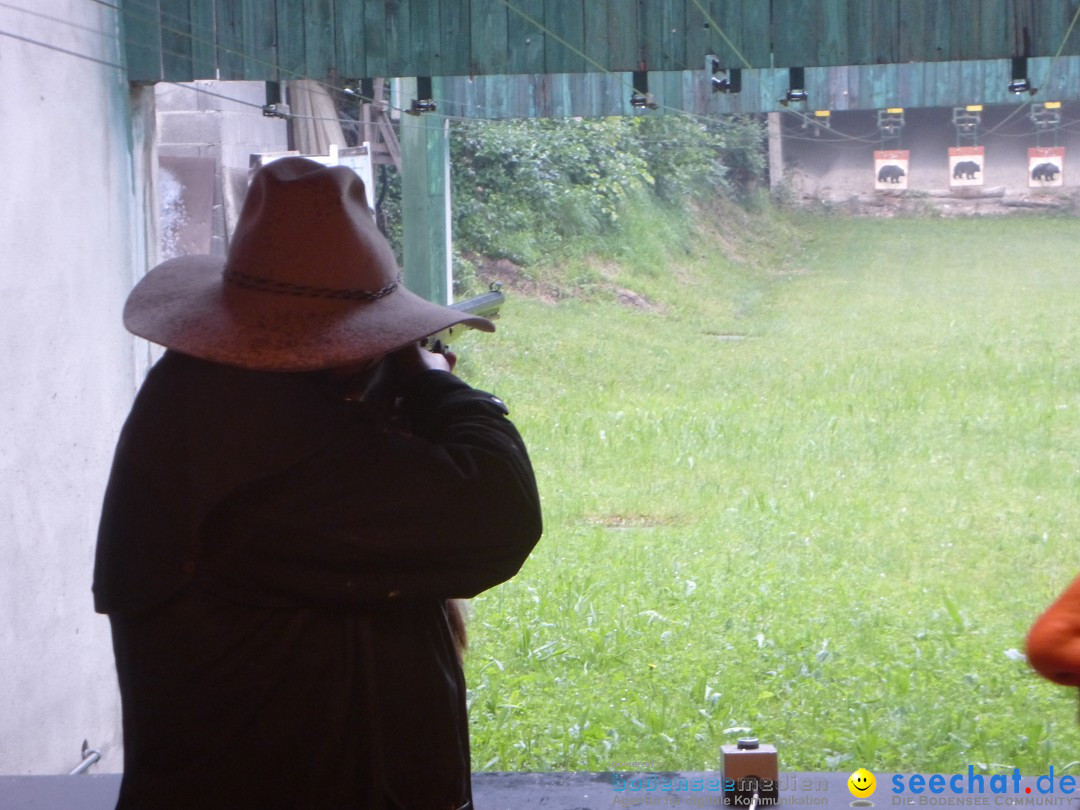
[[308, 283]]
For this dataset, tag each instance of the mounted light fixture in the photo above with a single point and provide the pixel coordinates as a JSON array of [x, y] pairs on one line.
[[1020, 82], [724, 80], [423, 102], [640, 96], [796, 86], [274, 107], [364, 90]]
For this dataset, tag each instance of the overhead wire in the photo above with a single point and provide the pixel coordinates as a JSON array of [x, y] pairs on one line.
[[57, 48], [193, 35], [60, 20]]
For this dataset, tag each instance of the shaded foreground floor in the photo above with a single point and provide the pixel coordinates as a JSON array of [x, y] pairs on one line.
[[492, 791], [592, 791]]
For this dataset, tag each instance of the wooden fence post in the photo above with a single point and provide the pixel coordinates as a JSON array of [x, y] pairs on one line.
[[425, 201]]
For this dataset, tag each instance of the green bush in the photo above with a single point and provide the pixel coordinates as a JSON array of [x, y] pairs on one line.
[[533, 189], [539, 190]]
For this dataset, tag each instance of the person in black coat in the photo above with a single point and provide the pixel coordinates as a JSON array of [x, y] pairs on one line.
[[298, 492]]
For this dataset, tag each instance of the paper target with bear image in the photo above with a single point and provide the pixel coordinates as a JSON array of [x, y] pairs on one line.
[[966, 166], [890, 169], [1046, 166]]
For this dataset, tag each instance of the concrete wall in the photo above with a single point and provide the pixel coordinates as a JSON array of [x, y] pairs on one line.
[[220, 123], [72, 238]]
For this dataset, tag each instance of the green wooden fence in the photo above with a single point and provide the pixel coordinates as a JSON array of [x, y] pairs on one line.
[[182, 40]]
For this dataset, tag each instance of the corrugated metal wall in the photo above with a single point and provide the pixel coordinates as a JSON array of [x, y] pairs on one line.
[[182, 40]]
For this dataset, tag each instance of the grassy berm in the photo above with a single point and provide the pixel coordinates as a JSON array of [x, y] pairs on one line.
[[808, 476]]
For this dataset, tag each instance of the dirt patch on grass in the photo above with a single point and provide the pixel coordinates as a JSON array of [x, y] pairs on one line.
[[517, 278], [512, 277], [632, 521]]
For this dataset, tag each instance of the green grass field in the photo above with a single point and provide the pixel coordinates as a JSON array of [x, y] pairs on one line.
[[819, 489]]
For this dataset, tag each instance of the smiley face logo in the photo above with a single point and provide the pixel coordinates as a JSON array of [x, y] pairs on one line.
[[862, 784]]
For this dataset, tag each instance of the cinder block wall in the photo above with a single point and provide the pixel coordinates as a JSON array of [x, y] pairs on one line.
[[222, 123]]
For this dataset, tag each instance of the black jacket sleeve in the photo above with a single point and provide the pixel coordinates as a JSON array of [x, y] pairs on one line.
[[447, 508]]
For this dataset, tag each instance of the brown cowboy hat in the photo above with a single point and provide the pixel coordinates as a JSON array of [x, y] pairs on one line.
[[309, 282]]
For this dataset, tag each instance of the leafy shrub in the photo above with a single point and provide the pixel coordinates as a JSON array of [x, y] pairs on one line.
[[528, 189]]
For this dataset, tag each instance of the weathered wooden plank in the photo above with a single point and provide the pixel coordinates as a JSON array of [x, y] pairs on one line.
[[624, 35], [488, 20], [564, 47], [376, 63], [990, 38], [597, 46], [319, 39], [424, 40], [674, 37], [526, 38], [425, 198], [920, 32], [230, 39], [668, 89], [142, 33], [734, 33], [839, 89], [349, 40], [833, 42], [491, 96], [797, 31], [575, 89], [558, 87], [887, 15], [873, 93], [961, 80], [931, 77], [1069, 71], [993, 76], [966, 78], [663, 34], [860, 26], [541, 95], [817, 90], [1055, 84], [774, 86], [620, 95], [260, 41], [176, 33], [397, 35], [908, 85], [203, 49], [652, 44], [455, 40], [1050, 22], [291, 35], [1072, 42], [698, 35]]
